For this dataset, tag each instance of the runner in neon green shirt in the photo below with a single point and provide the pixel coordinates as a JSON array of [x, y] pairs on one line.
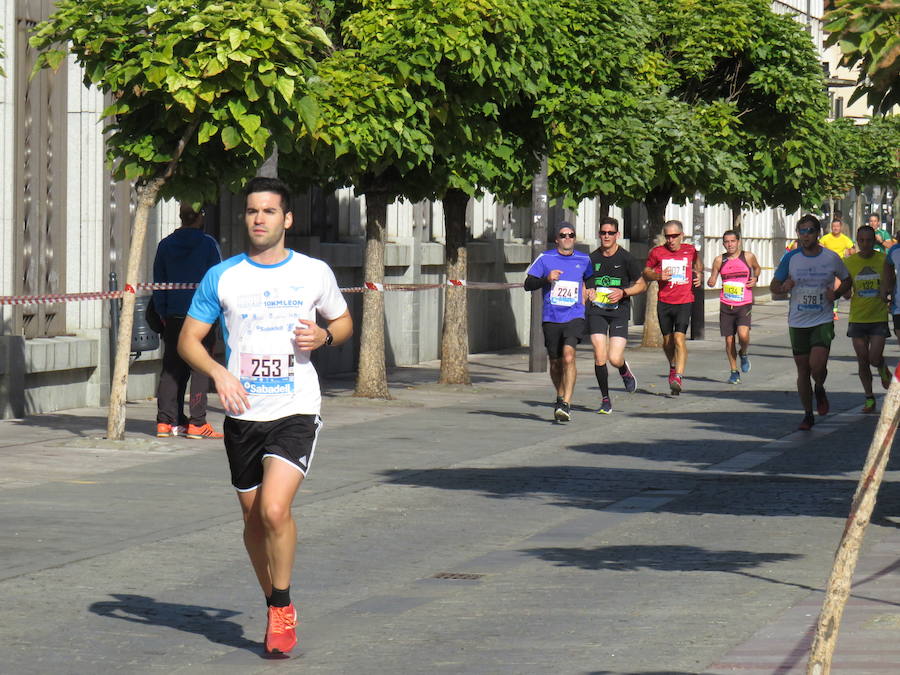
[[868, 326]]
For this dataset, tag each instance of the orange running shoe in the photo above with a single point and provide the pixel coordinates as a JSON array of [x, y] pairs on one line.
[[280, 634], [206, 431], [164, 430]]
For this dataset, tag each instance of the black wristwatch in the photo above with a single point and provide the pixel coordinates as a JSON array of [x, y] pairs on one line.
[[329, 338]]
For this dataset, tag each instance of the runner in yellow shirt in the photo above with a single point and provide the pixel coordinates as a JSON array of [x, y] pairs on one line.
[[841, 244], [837, 241], [868, 326]]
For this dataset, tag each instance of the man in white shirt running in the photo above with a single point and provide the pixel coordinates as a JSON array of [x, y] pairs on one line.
[[267, 300], [809, 274]]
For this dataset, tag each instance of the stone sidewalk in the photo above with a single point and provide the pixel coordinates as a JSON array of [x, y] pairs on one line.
[[460, 530]]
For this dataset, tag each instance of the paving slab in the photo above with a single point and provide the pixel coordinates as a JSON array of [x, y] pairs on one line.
[[462, 530]]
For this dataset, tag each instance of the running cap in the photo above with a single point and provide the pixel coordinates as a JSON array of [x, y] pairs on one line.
[[564, 225]]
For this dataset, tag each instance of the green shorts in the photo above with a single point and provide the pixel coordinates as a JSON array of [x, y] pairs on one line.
[[804, 339]]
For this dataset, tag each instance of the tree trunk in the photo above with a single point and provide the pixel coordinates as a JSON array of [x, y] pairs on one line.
[[737, 216], [455, 335], [115, 424], [656, 203], [147, 195], [602, 210], [537, 353], [896, 210], [857, 209], [371, 379], [839, 583]]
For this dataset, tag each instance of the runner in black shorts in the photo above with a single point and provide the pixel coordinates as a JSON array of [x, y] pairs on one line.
[[616, 277], [559, 274], [677, 268], [269, 387]]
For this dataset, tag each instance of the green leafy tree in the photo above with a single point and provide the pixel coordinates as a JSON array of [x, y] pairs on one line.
[[868, 33], [598, 108], [741, 110], [201, 92], [840, 164], [454, 81], [878, 158], [782, 136]]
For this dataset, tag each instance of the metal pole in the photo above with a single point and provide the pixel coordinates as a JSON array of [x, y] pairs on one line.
[[113, 321], [537, 362], [698, 309]]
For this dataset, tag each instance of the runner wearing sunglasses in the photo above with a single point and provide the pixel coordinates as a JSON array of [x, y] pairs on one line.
[[616, 277], [560, 275], [677, 268], [808, 273]]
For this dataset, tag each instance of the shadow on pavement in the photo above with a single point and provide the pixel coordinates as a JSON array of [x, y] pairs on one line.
[[675, 558], [711, 492], [667, 558], [210, 622]]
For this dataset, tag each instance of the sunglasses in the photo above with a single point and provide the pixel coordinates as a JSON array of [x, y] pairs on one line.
[[806, 230], [674, 236], [608, 233], [566, 235]]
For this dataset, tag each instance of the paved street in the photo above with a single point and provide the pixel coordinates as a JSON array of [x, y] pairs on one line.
[[461, 530]]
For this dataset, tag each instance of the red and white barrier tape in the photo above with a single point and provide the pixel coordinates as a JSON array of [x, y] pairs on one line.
[[148, 286]]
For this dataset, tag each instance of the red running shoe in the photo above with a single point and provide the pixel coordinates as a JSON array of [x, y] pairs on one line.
[[676, 384], [164, 430], [807, 423], [206, 431], [280, 634]]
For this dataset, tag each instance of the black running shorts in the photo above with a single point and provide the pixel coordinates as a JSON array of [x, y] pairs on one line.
[[608, 325], [556, 335], [673, 318], [290, 439]]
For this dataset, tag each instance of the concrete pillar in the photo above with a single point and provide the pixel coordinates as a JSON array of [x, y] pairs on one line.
[[12, 376]]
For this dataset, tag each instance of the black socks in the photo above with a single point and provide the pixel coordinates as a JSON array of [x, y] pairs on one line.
[[602, 379], [279, 597]]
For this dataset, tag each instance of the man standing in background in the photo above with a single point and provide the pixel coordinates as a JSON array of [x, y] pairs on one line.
[[182, 257]]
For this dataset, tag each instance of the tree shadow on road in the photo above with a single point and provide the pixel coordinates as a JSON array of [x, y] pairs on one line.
[[665, 558], [709, 492], [683, 558], [210, 622]]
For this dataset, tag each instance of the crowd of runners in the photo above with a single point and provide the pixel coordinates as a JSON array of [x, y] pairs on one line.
[[590, 295], [269, 301]]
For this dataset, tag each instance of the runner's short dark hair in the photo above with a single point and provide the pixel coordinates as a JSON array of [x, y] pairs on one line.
[[811, 219], [734, 232], [865, 228], [266, 184], [609, 220]]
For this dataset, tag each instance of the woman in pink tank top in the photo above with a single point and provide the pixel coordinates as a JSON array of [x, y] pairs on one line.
[[740, 271]]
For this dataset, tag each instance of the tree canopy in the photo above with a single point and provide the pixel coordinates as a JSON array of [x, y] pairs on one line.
[[747, 86], [219, 81], [868, 34]]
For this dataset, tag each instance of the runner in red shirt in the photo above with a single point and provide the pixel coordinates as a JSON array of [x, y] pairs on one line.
[[677, 268]]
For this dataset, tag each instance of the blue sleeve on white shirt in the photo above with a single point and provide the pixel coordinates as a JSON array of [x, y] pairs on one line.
[[205, 305], [783, 270]]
